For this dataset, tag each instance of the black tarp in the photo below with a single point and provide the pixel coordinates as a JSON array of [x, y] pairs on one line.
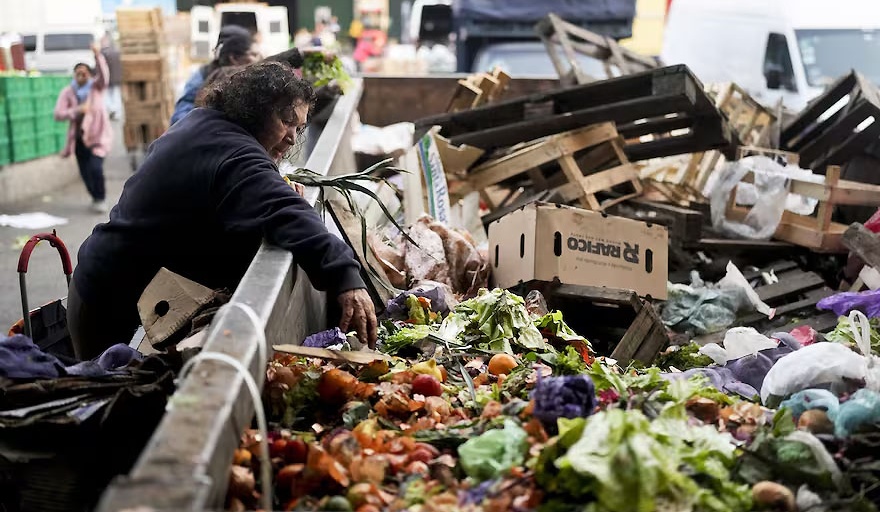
[[530, 10]]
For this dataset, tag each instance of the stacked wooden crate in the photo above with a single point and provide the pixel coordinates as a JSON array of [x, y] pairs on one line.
[[146, 87]]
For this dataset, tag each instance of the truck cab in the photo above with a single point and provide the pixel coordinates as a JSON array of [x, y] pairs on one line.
[[788, 50], [270, 22]]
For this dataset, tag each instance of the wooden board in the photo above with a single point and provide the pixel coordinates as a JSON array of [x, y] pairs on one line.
[[650, 98], [143, 68]]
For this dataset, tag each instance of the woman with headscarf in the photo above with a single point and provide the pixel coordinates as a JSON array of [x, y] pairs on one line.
[[90, 135], [236, 47], [206, 195]]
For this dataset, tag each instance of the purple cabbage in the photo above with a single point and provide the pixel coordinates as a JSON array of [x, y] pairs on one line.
[[568, 396], [325, 339]]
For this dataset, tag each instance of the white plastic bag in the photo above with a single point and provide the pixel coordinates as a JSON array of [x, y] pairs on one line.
[[735, 279], [812, 366], [771, 194], [861, 330], [738, 342]]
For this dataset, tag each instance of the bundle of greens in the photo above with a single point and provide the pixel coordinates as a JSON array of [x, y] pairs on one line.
[[495, 321], [321, 69]]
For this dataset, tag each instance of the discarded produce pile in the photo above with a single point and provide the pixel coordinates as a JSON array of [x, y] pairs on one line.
[[496, 404]]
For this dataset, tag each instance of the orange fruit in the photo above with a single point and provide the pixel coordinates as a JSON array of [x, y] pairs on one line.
[[502, 364]]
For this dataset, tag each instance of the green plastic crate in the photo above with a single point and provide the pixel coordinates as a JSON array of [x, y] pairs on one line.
[[24, 148], [45, 123], [14, 86], [44, 106], [47, 144], [4, 126], [24, 126], [60, 141], [61, 128], [43, 85], [5, 154], [24, 106]]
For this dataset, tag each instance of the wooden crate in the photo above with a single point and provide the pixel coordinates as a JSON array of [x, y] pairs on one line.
[[478, 89], [146, 91], [556, 32], [143, 68], [817, 232], [659, 113], [823, 138], [147, 112], [131, 20], [137, 43], [583, 176], [643, 334], [141, 134]]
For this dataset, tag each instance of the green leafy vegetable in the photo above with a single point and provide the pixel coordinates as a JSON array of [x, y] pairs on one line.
[[843, 334], [320, 69], [626, 462], [552, 324], [493, 320], [685, 358]]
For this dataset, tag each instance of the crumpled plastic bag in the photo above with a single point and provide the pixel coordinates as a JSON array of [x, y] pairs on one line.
[[468, 270], [743, 341], [495, 452], [810, 367], [440, 295], [861, 330], [701, 310], [810, 399], [704, 309], [868, 302], [426, 259], [862, 408], [721, 379], [753, 369], [770, 198]]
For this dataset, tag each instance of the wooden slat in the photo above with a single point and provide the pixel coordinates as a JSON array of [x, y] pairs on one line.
[[793, 284]]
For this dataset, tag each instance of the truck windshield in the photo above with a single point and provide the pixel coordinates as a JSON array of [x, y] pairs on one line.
[[247, 20], [830, 54], [528, 59]]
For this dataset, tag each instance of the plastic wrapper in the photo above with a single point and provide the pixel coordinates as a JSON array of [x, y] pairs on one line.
[[873, 224], [868, 302], [325, 339], [426, 260], [805, 335], [810, 399], [495, 452], [702, 310], [770, 198], [816, 365], [862, 408], [536, 304], [752, 369], [440, 295]]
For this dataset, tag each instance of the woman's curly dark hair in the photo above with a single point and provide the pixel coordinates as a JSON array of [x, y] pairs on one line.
[[254, 95]]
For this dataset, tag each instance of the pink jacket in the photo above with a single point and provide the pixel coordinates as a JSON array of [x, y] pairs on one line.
[[97, 132]]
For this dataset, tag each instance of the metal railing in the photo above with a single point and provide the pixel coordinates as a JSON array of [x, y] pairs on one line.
[[185, 466]]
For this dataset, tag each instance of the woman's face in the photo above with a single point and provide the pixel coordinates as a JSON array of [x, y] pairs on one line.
[[281, 134], [253, 55], [81, 75]]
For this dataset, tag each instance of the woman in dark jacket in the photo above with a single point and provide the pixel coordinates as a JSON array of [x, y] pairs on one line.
[[206, 195]]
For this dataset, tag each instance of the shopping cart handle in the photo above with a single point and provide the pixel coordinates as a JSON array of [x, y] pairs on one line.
[[55, 242]]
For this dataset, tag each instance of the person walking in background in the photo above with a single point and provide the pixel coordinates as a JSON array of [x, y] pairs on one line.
[[90, 135], [114, 65], [241, 44]]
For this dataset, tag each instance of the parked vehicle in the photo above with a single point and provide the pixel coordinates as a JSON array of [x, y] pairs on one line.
[[270, 22], [56, 33], [788, 49]]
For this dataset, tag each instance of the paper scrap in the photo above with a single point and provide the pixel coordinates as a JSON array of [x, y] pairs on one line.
[[35, 220]]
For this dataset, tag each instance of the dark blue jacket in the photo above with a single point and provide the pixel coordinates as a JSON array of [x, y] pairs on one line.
[[204, 198]]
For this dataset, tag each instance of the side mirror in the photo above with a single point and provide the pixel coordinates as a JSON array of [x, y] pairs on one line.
[[773, 75]]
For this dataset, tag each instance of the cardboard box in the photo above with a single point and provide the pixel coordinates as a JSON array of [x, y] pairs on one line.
[[544, 241]]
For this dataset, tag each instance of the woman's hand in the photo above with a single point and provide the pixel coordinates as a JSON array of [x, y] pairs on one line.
[[84, 108], [358, 312], [96, 47]]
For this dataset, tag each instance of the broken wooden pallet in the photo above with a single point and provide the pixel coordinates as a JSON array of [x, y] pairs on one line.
[[583, 176], [630, 326], [837, 125], [557, 34], [817, 232], [478, 89], [659, 113]]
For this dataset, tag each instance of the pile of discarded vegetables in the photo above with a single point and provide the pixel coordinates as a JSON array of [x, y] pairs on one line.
[[498, 405]]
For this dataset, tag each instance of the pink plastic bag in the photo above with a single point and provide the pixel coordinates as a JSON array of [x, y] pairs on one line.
[[873, 223], [805, 335]]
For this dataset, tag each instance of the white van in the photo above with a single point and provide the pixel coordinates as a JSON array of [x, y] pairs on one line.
[[788, 49], [269, 21], [58, 50]]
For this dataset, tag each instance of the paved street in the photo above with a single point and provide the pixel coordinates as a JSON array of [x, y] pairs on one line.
[[45, 279]]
